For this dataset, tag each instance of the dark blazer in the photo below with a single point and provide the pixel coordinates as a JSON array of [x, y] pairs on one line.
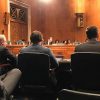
[[6, 59], [41, 49], [90, 46]]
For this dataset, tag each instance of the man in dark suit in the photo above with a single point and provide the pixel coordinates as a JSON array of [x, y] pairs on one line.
[[92, 44], [9, 75], [36, 46]]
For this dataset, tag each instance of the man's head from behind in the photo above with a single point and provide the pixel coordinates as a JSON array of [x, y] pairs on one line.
[[92, 32], [36, 37]]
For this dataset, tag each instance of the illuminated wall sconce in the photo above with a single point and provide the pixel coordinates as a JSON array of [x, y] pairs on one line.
[[79, 12], [80, 19]]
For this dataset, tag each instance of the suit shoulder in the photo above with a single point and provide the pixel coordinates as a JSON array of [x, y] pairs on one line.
[[46, 49]]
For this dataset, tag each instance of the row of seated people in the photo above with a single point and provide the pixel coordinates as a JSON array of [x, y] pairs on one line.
[[82, 66], [92, 45], [56, 42], [36, 38], [59, 42], [8, 59]]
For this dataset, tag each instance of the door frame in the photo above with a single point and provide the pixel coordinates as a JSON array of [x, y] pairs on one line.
[[29, 17]]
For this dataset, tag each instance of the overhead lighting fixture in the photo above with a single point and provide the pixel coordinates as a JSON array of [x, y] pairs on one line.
[[79, 12], [45, 1], [79, 6]]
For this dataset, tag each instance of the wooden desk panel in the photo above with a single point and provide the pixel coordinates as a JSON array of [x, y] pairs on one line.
[[15, 48], [58, 50], [62, 50]]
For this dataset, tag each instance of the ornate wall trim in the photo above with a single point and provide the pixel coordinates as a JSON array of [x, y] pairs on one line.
[[24, 5]]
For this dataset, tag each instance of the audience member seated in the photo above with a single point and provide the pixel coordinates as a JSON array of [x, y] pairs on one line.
[[9, 75], [68, 42], [65, 42], [36, 46], [56, 41], [92, 44], [21, 42]]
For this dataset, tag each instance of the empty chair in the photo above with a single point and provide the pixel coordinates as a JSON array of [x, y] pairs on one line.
[[66, 94], [86, 70]]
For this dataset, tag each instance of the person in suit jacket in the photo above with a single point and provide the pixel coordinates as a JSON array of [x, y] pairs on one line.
[[36, 46], [9, 75], [92, 44]]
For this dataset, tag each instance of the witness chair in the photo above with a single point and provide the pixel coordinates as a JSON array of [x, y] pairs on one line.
[[35, 73], [86, 70], [66, 94]]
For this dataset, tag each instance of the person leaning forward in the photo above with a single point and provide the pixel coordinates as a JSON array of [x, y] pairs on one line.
[[9, 75]]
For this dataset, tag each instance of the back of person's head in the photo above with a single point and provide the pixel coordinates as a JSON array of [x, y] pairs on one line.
[[92, 32], [36, 37]]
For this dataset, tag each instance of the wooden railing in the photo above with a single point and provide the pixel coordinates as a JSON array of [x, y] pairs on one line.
[[62, 50], [58, 50]]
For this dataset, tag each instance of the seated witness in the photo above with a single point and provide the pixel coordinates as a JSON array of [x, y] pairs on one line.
[[9, 75], [65, 42], [92, 44], [57, 41], [21, 42], [36, 46]]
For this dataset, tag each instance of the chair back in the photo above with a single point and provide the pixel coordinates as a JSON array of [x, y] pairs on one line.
[[34, 67], [86, 70], [66, 94]]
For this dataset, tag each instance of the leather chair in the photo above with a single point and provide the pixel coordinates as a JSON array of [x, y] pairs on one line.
[[66, 94], [35, 73], [86, 70]]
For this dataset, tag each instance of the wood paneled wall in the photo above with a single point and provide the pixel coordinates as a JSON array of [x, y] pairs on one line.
[[57, 19], [93, 13], [3, 9], [18, 31]]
